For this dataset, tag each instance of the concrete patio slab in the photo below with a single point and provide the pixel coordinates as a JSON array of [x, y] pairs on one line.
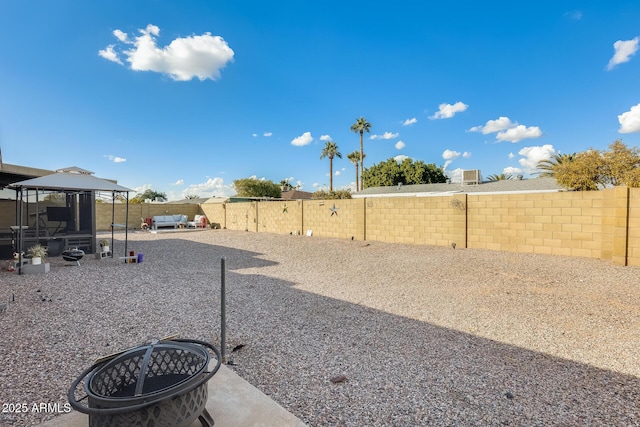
[[233, 402]]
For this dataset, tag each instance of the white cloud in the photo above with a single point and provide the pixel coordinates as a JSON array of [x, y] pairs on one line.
[[450, 154], [501, 123], [400, 145], [142, 188], [410, 121], [386, 135], [510, 170], [455, 175], [576, 15], [511, 155], [400, 158], [508, 130], [304, 139], [178, 182], [185, 58], [325, 138], [110, 54], [449, 110], [315, 185], [267, 134], [518, 133], [466, 155], [116, 159], [630, 121], [534, 155], [338, 173], [121, 35], [210, 188], [624, 50], [255, 135]]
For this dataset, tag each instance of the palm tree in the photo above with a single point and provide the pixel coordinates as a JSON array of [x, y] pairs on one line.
[[355, 158], [501, 177], [361, 126], [549, 166], [330, 150]]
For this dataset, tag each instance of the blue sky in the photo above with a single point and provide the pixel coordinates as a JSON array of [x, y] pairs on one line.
[[185, 97]]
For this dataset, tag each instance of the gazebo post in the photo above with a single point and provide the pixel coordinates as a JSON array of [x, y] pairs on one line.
[[113, 219], [126, 227], [20, 232]]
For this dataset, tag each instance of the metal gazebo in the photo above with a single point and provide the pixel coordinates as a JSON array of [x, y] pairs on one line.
[[73, 182]]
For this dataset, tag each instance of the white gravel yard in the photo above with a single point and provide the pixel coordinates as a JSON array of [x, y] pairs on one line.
[[421, 335]]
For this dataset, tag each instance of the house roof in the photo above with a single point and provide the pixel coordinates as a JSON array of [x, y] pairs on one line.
[[534, 185], [13, 173], [296, 195], [196, 201]]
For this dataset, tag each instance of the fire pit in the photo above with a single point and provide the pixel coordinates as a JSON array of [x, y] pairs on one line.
[[74, 254], [163, 383]]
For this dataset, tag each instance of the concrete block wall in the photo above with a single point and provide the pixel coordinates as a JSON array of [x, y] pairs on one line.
[[593, 224], [438, 221], [335, 218], [633, 242], [8, 212], [566, 223], [139, 211], [242, 216], [281, 217], [215, 213]]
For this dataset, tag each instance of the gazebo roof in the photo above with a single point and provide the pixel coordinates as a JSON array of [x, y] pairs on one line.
[[75, 179]]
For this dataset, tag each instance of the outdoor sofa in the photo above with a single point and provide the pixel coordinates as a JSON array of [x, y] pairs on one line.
[[173, 221]]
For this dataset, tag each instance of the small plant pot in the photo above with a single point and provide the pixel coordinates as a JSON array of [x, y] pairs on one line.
[[36, 260], [105, 249]]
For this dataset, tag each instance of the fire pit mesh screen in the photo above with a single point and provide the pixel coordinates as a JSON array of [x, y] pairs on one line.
[[162, 384], [165, 368]]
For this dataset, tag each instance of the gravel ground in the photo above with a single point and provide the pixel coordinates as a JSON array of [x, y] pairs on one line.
[[420, 335]]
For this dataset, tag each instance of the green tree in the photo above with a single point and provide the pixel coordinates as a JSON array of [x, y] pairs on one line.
[[594, 169], [361, 126], [390, 172], [501, 177], [583, 173], [330, 150], [148, 194], [549, 166], [620, 163], [285, 185], [252, 187]]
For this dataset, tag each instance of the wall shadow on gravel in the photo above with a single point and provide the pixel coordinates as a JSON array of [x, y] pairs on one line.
[[398, 371], [169, 252], [405, 372]]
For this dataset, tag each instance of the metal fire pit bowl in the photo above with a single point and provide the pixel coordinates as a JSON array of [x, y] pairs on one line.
[[161, 384], [73, 255]]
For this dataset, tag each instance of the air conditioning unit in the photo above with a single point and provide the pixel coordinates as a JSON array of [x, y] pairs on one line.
[[471, 177]]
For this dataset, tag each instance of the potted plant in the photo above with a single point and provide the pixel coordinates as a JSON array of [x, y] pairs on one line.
[[37, 253], [104, 244]]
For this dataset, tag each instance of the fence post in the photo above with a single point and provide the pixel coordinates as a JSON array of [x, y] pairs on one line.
[[223, 311]]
